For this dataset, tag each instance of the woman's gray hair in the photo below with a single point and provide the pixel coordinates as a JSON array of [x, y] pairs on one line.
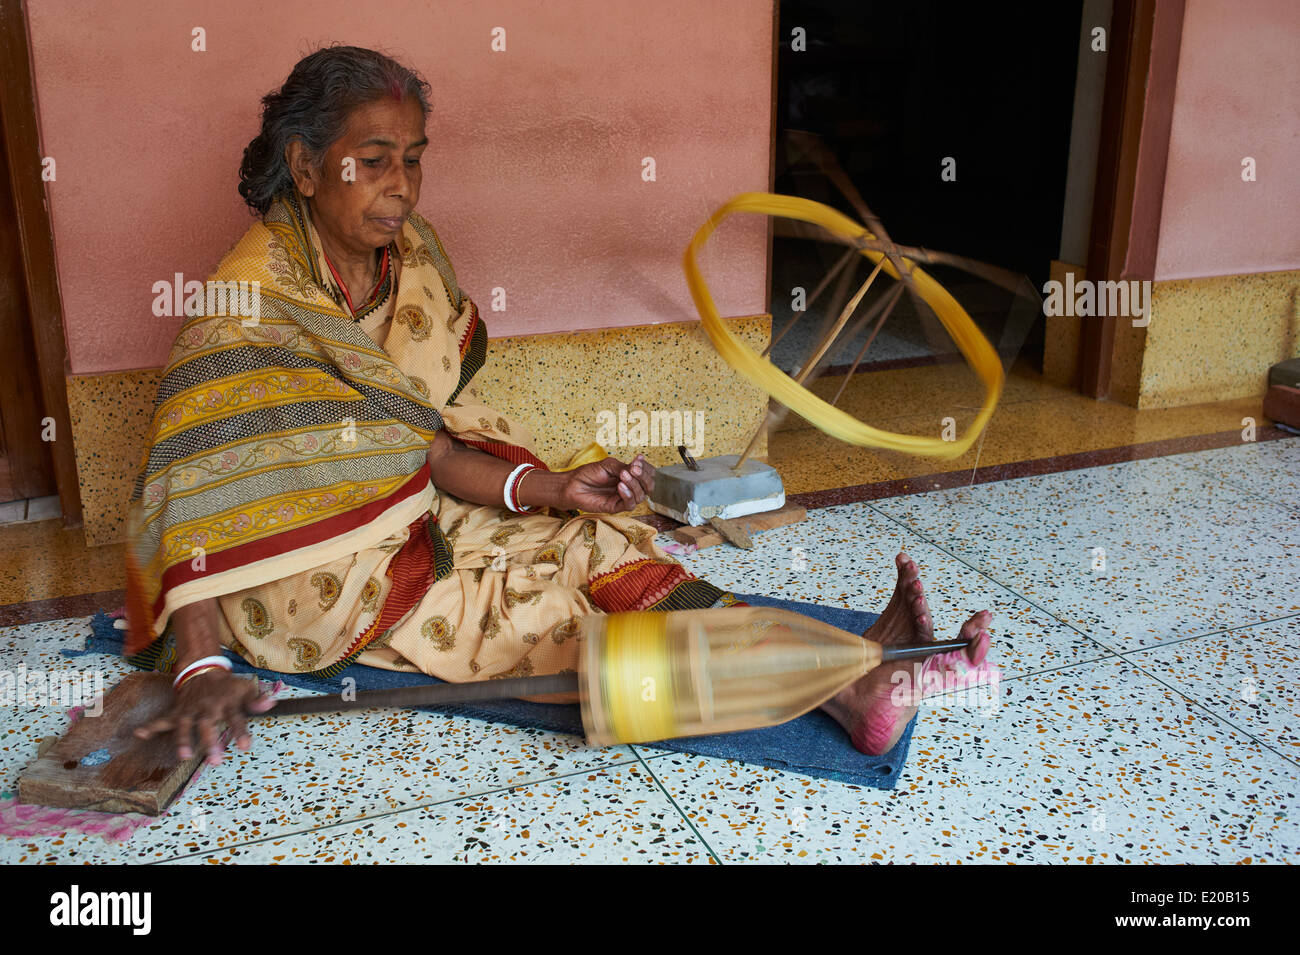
[[313, 105]]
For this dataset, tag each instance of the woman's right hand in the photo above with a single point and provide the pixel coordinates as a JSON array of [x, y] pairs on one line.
[[199, 708]]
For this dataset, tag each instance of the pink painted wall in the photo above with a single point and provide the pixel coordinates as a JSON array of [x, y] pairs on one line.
[[533, 177], [1238, 94]]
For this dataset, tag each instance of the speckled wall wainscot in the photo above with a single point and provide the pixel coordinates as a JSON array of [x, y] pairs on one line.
[[554, 384], [1213, 339], [110, 415]]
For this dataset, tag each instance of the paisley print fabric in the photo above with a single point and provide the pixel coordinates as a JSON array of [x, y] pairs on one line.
[[292, 453]]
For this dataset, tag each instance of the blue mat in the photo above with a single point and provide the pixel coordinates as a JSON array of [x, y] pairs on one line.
[[813, 745]]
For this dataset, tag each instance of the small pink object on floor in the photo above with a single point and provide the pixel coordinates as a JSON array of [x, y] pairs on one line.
[[19, 821]]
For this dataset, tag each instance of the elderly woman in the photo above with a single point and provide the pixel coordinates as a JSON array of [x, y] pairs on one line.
[[325, 487]]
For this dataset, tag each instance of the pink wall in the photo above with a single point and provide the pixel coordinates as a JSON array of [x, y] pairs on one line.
[[533, 177], [1238, 94]]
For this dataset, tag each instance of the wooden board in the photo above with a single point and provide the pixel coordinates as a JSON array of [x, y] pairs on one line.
[[706, 536], [733, 531], [122, 773]]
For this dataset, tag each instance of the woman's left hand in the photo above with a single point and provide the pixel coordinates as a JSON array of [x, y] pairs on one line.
[[609, 486]]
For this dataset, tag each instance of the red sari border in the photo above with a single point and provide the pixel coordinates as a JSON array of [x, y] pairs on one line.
[[276, 544], [506, 452]]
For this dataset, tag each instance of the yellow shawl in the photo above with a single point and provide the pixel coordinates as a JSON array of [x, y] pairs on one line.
[[288, 438]]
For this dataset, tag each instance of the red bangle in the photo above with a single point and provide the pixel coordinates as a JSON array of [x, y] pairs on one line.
[[514, 491], [185, 678]]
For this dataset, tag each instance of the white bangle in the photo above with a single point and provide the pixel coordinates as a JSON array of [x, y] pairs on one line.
[[205, 662], [509, 487]]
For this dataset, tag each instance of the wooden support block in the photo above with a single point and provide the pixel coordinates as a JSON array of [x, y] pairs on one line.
[[707, 536], [733, 531], [100, 764]]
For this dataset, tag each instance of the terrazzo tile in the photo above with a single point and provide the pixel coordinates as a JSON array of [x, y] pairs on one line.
[[1097, 760], [302, 772], [1182, 553], [899, 392], [1270, 469], [617, 815], [1250, 676], [1097, 763], [558, 385], [845, 557], [46, 636], [44, 559], [1138, 593], [1154, 489], [808, 460], [1053, 426], [37, 649], [1036, 428]]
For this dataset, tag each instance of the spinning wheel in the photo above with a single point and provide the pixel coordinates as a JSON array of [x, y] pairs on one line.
[[901, 267]]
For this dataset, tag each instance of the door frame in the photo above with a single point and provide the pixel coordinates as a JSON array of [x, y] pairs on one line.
[[36, 238], [1137, 111]]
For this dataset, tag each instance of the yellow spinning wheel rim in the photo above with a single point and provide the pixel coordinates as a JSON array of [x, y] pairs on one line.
[[818, 412]]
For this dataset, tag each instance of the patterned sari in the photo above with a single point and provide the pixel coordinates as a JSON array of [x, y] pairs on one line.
[[286, 475]]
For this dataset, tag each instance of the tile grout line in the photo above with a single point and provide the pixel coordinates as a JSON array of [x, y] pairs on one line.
[[1076, 461], [398, 811], [987, 576], [667, 795], [1125, 655], [1122, 655], [1210, 633], [1065, 623], [1217, 716], [1137, 666], [1175, 641], [1236, 487], [1106, 651], [1057, 669], [1114, 653]]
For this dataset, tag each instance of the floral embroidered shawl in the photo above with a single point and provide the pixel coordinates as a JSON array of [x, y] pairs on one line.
[[290, 438]]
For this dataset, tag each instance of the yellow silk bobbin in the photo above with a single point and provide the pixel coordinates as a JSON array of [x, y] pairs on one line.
[[636, 677]]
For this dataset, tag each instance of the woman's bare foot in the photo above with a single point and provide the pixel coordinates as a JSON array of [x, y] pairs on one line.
[[868, 709]]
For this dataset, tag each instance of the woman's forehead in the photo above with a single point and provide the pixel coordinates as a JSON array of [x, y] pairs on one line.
[[387, 122]]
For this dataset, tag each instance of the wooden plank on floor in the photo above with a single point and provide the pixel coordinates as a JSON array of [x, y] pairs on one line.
[[100, 764]]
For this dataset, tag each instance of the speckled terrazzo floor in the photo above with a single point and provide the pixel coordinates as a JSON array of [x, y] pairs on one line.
[[1147, 712]]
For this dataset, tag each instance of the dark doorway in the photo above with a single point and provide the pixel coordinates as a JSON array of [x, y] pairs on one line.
[[894, 88]]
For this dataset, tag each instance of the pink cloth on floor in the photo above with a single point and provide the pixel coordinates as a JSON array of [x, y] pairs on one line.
[[19, 821], [673, 547]]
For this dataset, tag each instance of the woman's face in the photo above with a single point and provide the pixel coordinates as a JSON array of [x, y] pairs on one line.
[[369, 180]]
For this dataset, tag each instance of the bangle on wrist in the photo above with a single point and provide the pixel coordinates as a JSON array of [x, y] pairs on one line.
[[200, 666], [519, 482], [511, 490]]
